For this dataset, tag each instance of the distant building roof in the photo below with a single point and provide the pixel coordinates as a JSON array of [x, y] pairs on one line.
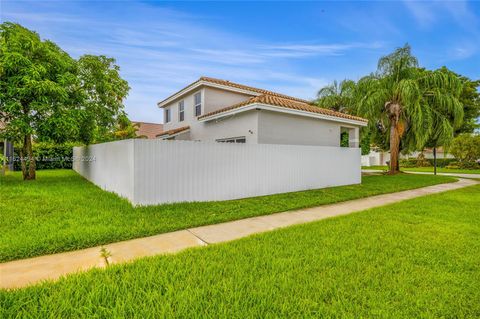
[[150, 130], [174, 131]]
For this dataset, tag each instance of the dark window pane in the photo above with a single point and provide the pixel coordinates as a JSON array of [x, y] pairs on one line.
[[198, 98]]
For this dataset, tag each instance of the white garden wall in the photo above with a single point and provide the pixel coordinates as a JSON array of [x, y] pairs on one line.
[[108, 165], [155, 171]]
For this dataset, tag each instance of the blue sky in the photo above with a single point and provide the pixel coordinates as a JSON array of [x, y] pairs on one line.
[[289, 47]]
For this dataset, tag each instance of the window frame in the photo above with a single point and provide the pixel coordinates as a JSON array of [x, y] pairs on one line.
[[199, 104], [235, 140], [168, 115], [181, 111]]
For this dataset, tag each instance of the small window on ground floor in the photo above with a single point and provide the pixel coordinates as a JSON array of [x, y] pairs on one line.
[[240, 139]]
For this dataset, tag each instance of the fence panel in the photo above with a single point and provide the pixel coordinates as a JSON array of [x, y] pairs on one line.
[[108, 165], [179, 171]]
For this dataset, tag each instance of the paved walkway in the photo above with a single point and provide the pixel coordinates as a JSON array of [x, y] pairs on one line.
[[21, 273], [427, 173]]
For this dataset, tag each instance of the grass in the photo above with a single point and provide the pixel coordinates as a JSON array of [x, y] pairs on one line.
[[429, 169], [61, 211], [414, 259]]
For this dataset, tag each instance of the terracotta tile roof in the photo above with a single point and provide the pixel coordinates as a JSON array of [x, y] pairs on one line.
[[150, 130], [286, 103], [237, 86], [249, 88], [174, 131]]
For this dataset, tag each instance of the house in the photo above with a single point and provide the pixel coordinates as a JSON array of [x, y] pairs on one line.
[[6, 149], [268, 143], [148, 130], [218, 110]]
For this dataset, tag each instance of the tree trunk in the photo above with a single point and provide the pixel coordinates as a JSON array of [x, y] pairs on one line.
[[394, 148], [22, 161], [31, 159]]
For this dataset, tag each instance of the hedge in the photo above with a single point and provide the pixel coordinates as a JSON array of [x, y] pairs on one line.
[[49, 156], [412, 162]]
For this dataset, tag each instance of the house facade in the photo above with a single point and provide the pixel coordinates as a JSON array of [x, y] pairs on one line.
[[217, 110]]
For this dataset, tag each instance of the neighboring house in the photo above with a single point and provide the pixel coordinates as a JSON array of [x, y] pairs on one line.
[[217, 110], [376, 158], [379, 158], [428, 152], [148, 130], [6, 149]]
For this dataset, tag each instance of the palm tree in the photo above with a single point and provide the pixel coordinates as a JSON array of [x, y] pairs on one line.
[[337, 96], [410, 104]]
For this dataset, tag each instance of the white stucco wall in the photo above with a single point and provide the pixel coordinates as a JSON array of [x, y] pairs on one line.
[[216, 99], [156, 171], [263, 127], [375, 158], [279, 128], [242, 124], [212, 99]]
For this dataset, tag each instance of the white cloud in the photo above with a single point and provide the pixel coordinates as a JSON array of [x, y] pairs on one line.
[[422, 11], [166, 50], [428, 13]]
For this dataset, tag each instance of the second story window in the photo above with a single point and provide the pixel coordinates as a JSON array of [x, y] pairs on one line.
[[167, 116], [181, 111], [198, 103]]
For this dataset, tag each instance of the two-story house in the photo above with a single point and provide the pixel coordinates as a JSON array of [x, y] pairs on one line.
[[217, 110]]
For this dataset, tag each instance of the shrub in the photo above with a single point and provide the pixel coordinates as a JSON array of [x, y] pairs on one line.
[[49, 156], [413, 162], [422, 161], [408, 162], [464, 165], [466, 149]]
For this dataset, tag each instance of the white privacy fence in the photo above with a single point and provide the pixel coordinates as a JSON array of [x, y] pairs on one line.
[[155, 171]]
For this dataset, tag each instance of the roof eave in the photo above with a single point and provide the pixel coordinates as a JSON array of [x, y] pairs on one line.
[[197, 84], [280, 109], [164, 136]]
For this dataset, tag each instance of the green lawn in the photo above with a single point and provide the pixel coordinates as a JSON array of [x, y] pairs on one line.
[[428, 169], [61, 211], [415, 259]]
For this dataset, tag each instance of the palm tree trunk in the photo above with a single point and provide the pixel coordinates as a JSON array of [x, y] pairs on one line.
[[394, 148]]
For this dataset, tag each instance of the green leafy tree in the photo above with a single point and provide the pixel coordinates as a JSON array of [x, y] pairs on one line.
[[470, 99], [48, 96], [466, 148], [341, 97], [125, 129], [409, 104], [38, 85], [104, 92], [337, 96]]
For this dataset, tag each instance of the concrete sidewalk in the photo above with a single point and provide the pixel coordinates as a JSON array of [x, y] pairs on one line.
[[460, 175], [21, 273]]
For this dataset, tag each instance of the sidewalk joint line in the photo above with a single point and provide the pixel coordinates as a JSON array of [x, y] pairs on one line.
[[203, 241]]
